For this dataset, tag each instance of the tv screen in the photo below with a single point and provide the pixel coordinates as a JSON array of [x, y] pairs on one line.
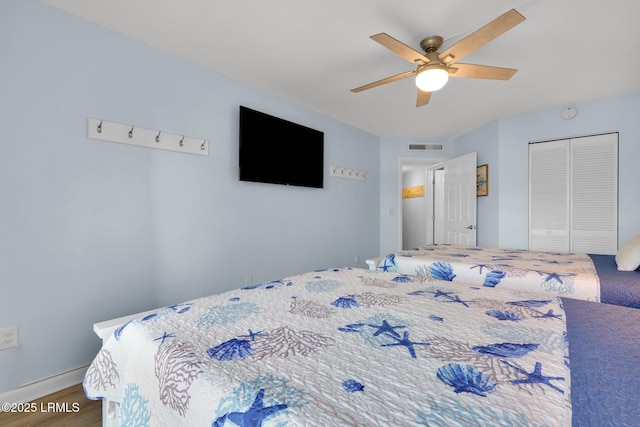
[[277, 151]]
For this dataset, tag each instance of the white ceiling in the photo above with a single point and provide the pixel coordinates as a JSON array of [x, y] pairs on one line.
[[313, 53]]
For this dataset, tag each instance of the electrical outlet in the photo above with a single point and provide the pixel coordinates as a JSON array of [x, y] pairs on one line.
[[8, 337]]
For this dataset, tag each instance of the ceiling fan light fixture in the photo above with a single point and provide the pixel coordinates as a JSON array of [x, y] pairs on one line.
[[431, 77]]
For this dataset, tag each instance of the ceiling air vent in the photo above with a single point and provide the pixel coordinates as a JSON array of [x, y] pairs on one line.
[[425, 147]]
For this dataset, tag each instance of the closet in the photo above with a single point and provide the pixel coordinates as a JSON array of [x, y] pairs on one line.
[[573, 195]]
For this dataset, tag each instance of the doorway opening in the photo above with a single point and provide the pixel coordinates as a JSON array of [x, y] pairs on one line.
[[445, 209], [418, 214]]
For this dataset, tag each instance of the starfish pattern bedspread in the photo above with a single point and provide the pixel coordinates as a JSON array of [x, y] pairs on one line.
[[342, 347], [554, 273]]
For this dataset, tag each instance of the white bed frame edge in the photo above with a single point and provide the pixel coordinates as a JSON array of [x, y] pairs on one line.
[[373, 262]]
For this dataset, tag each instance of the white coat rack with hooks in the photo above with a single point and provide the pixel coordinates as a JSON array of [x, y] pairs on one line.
[[348, 173], [149, 138]]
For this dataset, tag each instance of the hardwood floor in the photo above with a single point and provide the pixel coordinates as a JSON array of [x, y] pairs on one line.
[[66, 408]]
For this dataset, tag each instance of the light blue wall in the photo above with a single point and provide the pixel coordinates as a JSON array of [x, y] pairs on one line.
[[484, 141], [92, 230], [76, 240]]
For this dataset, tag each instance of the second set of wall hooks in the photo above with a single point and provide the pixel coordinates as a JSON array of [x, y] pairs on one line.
[[348, 173]]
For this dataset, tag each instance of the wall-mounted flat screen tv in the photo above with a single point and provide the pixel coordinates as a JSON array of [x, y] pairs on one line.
[[277, 151]]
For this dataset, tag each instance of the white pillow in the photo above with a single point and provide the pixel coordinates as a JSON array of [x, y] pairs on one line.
[[628, 256]]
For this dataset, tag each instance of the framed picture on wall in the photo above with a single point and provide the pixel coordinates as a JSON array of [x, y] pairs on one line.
[[482, 183]]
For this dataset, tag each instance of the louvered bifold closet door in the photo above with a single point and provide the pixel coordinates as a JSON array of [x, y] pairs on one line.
[[594, 194], [549, 196]]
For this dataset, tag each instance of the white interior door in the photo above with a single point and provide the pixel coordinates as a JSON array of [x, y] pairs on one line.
[[549, 195], [460, 200]]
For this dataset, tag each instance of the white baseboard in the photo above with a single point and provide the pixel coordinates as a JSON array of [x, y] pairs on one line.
[[45, 386]]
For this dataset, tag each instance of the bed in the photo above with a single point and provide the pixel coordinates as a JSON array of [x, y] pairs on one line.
[[353, 347], [581, 276]]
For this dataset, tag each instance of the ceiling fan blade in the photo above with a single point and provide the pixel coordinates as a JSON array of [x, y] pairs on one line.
[[479, 38], [384, 81], [423, 98], [474, 71], [400, 49]]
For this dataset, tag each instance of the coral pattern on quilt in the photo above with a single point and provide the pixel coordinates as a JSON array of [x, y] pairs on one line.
[[342, 347], [554, 273]]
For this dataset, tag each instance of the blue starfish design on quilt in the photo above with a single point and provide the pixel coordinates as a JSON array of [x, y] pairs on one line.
[[388, 263], [253, 335], [554, 276], [548, 315], [439, 293], [449, 296], [353, 327], [535, 377], [457, 299], [181, 308], [480, 267], [386, 328], [530, 303], [164, 337], [405, 341], [254, 416]]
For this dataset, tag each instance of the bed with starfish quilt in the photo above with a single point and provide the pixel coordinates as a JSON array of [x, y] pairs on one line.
[[556, 274], [341, 347]]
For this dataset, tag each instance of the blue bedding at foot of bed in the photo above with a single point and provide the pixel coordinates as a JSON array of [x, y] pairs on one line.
[[604, 353], [617, 287]]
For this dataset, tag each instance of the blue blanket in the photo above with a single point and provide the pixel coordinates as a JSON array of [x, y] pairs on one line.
[[605, 361], [617, 287]]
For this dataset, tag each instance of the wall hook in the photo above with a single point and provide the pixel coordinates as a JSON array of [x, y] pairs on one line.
[[204, 144], [182, 141], [100, 127], [131, 133], [158, 137]]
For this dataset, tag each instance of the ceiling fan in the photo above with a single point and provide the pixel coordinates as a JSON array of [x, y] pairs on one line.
[[435, 68]]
